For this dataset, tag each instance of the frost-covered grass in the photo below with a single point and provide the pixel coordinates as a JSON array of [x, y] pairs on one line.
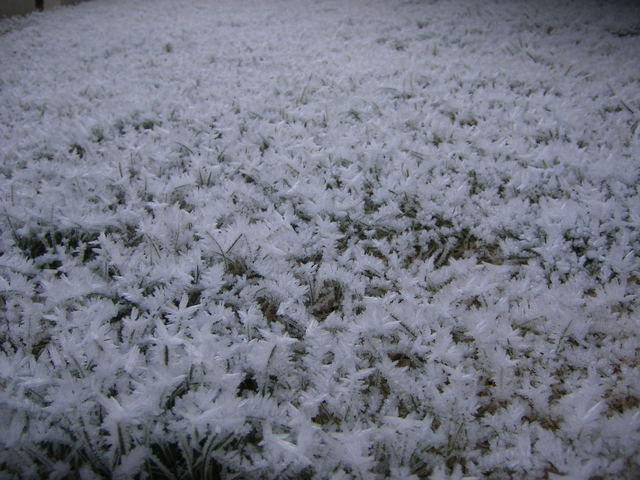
[[317, 240]]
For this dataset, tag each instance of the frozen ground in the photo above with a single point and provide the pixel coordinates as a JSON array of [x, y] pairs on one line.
[[320, 240]]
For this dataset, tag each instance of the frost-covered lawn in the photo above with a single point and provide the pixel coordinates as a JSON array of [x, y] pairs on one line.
[[320, 240]]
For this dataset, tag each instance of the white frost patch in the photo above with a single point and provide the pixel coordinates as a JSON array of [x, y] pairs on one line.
[[320, 240]]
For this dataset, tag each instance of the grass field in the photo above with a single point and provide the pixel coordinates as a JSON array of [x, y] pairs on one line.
[[320, 240]]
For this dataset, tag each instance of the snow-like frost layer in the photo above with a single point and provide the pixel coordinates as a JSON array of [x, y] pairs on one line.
[[320, 240]]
